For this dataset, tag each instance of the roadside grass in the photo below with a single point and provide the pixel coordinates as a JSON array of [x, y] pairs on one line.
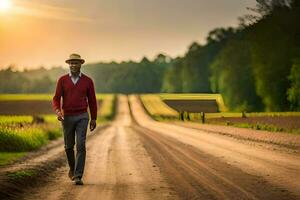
[[19, 134], [20, 174], [108, 107], [8, 157], [22, 139], [11, 119], [259, 126]]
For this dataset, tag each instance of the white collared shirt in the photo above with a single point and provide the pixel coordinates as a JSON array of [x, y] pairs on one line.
[[74, 79]]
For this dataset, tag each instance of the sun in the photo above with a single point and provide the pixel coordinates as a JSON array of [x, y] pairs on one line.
[[5, 5]]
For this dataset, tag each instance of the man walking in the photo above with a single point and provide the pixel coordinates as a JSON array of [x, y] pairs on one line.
[[77, 93]]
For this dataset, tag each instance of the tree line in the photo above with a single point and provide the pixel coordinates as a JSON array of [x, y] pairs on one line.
[[255, 66]]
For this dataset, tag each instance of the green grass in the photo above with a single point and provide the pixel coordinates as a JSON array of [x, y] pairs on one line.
[[11, 119], [108, 108], [21, 139], [20, 174], [8, 157], [259, 126], [28, 137], [50, 118]]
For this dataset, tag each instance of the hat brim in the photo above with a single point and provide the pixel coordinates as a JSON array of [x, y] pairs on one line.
[[69, 60]]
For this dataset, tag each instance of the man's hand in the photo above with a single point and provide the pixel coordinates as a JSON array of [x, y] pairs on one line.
[[92, 124], [60, 116]]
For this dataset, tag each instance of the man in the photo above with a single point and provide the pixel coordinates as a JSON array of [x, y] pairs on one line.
[[77, 93]]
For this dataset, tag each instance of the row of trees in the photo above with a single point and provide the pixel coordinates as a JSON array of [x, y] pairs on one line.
[[18, 82], [126, 77]]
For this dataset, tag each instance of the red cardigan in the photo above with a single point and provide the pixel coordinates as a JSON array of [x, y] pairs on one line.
[[75, 98]]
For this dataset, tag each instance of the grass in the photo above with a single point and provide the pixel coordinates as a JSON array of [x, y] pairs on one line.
[[259, 126], [11, 119], [21, 139], [18, 133], [8, 157], [108, 107], [20, 174]]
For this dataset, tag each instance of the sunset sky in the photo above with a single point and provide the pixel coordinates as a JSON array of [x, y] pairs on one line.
[[45, 32]]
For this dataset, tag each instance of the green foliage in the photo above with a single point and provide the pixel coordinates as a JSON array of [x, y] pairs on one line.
[[53, 133], [294, 91], [172, 81], [19, 82], [18, 134], [233, 77], [8, 157], [108, 108], [128, 77], [21, 139], [192, 72]]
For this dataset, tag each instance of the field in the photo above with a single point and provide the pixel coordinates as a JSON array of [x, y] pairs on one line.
[[206, 98], [27, 122], [168, 106], [157, 108]]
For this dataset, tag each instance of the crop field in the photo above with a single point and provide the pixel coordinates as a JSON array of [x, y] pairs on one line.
[[40, 104], [158, 105], [20, 131], [166, 106], [192, 102], [157, 108]]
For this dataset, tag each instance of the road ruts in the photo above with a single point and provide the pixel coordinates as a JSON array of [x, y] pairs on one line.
[[201, 165]]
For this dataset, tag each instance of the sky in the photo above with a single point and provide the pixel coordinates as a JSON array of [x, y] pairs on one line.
[[36, 33]]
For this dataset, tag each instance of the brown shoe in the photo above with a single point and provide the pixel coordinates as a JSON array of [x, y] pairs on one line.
[[78, 181], [71, 175]]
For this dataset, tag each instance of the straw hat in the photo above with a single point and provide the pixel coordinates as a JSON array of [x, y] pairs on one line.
[[75, 56]]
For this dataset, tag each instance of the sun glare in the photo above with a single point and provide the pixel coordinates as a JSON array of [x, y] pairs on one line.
[[5, 5]]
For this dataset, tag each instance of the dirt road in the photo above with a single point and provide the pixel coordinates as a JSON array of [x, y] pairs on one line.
[[145, 159]]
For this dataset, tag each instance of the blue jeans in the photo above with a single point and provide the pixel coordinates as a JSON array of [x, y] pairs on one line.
[[75, 127]]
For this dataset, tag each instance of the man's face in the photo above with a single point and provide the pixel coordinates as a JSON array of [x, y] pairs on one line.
[[75, 66]]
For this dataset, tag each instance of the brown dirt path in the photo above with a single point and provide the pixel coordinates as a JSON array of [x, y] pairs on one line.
[[145, 159], [276, 171], [117, 167]]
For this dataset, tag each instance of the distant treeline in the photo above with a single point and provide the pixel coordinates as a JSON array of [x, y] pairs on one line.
[[255, 66]]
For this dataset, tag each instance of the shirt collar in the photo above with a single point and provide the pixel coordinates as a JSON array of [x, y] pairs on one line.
[[71, 74]]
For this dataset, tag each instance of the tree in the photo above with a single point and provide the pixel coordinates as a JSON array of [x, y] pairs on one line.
[[294, 91]]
